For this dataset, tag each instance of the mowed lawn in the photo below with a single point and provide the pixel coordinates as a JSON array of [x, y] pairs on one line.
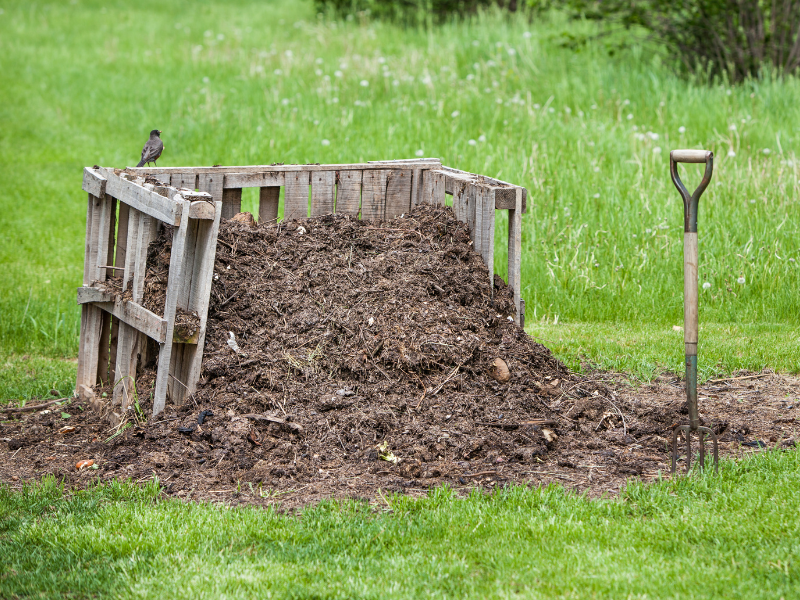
[[588, 133], [735, 535]]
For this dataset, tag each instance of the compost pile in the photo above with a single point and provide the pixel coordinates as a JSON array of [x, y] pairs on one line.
[[336, 342], [343, 357]]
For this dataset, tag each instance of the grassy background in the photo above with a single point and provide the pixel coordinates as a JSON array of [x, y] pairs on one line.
[[82, 82], [735, 535], [247, 83]]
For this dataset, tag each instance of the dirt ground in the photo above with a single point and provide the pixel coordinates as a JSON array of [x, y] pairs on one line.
[[345, 357]]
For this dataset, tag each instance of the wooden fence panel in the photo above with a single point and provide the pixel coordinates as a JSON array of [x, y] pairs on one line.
[[323, 192], [348, 192], [373, 194], [398, 193], [295, 196]]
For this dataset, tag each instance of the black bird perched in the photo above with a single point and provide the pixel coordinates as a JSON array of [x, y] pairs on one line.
[[152, 149]]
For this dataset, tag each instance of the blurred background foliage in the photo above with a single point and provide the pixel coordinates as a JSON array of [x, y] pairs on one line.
[[709, 40]]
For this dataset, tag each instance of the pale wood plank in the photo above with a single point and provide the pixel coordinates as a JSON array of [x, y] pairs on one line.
[[406, 164], [295, 198], [515, 252], [268, 204], [128, 337], [141, 198], [246, 180], [127, 311], [146, 232], [211, 183], [198, 301], [348, 192], [104, 348], [487, 235], [184, 180], [505, 199], [416, 187], [205, 210], [164, 178], [398, 193], [94, 182], [101, 239], [476, 218], [120, 258], [90, 315], [173, 287], [231, 203], [433, 188], [373, 195], [323, 192], [459, 201]]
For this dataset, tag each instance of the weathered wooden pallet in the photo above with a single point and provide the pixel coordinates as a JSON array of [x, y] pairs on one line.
[[371, 190], [110, 352], [114, 331]]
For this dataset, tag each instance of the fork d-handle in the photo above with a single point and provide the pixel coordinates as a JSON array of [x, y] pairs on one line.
[[690, 291]]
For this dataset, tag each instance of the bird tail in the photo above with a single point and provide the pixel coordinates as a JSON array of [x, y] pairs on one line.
[[141, 163]]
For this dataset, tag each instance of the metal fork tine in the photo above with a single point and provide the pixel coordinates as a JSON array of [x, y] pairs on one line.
[[702, 436]]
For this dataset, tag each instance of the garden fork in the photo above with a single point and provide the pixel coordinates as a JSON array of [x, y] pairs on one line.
[[690, 303]]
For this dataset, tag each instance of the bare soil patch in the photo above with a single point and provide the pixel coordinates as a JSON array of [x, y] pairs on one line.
[[345, 357]]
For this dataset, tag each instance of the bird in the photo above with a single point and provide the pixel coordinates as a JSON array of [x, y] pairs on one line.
[[152, 149]]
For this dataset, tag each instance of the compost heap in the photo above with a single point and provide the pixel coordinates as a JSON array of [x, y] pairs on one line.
[[346, 356]]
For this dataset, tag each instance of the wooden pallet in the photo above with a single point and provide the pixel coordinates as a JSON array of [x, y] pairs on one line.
[[372, 190], [115, 331]]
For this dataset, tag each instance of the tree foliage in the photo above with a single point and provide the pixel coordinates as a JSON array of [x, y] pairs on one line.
[[736, 38]]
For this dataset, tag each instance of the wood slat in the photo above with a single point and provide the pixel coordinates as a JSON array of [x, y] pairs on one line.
[[211, 183], [476, 217], [94, 182], [398, 193], [131, 342], [101, 234], [103, 352], [173, 287], [515, 252], [295, 198], [91, 320], [268, 204], [183, 180], [433, 188], [127, 311], [425, 163], [177, 382], [323, 192], [246, 180], [506, 197], [188, 369], [373, 195], [416, 187], [460, 201], [119, 261], [487, 232], [231, 202], [348, 192], [141, 198]]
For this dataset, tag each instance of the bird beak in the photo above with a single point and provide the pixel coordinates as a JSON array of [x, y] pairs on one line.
[[159, 132]]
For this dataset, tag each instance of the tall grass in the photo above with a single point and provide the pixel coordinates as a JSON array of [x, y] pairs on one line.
[[251, 82]]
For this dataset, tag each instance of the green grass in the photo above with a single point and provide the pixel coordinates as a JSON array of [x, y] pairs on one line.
[[245, 83], [735, 535], [647, 350]]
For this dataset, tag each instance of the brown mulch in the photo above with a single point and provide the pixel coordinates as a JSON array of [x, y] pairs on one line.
[[345, 357]]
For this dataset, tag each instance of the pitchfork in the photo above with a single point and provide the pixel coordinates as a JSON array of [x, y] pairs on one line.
[[690, 303]]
